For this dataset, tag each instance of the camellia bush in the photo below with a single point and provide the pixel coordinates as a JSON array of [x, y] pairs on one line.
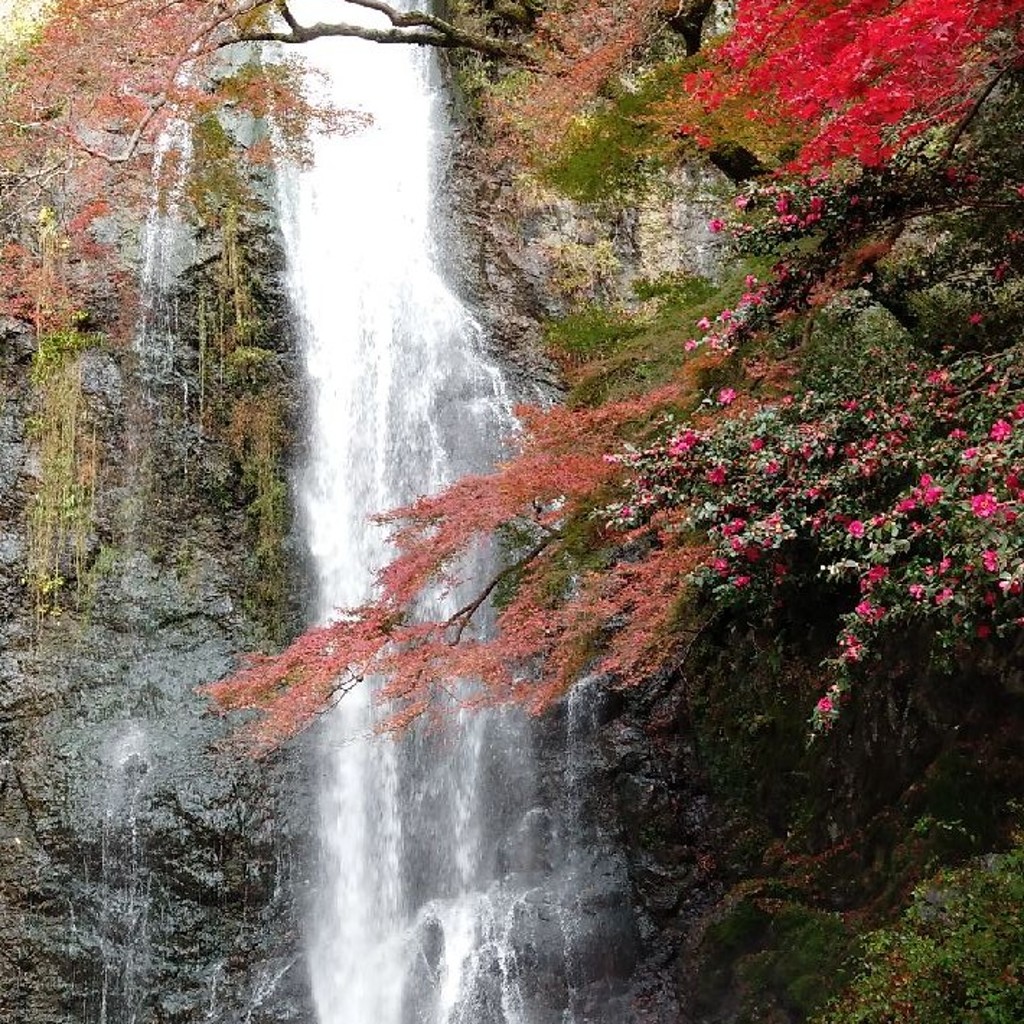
[[904, 498]]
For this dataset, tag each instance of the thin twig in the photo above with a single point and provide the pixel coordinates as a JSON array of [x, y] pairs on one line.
[[466, 613]]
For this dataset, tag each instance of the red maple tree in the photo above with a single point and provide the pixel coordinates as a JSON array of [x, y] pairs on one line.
[[859, 78]]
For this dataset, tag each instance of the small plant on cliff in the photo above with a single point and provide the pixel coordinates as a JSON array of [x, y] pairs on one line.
[[60, 511]]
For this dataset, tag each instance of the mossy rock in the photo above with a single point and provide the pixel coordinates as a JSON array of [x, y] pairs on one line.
[[956, 957], [772, 960]]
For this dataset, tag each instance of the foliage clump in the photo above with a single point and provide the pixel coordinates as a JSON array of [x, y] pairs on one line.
[[903, 498], [956, 957]]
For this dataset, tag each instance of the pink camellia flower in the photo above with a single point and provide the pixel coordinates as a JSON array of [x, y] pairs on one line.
[[916, 591], [824, 706], [1000, 431], [929, 491], [741, 581], [715, 225], [975, 319], [984, 506], [741, 202], [852, 650], [704, 323], [690, 345], [984, 630], [1018, 412], [870, 612], [716, 476], [856, 528], [721, 566], [726, 396], [683, 443], [874, 575], [757, 444], [990, 559], [944, 596]]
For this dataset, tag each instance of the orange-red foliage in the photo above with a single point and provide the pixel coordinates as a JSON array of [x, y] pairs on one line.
[[863, 76], [82, 106], [557, 621]]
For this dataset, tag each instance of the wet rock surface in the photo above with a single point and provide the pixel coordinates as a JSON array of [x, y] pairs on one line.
[[147, 870]]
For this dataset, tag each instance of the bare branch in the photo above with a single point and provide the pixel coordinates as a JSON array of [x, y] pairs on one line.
[[131, 143], [1015, 64], [462, 617], [415, 28]]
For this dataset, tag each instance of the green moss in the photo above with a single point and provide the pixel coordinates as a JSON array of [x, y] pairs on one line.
[[777, 955], [60, 511], [258, 439], [216, 180], [804, 962], [613, 150], [55, 350], [591, 333], [852, 343], [248, 365], [242, 405]]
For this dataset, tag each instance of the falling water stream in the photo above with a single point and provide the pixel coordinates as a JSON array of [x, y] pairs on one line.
[[448, 895], [404, 401]]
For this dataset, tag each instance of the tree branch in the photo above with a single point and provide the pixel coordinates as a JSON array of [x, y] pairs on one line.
[[463, 616], [131, 143], [415, 28], [1015, 64]]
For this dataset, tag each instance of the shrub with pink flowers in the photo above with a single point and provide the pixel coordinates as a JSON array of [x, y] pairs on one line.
[[903, 501]]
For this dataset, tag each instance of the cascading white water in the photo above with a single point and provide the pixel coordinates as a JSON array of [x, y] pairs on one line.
[[123, 925], [168, 247], [404, 400]]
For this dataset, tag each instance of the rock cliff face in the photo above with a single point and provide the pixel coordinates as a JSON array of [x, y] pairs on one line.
[[145, 873]]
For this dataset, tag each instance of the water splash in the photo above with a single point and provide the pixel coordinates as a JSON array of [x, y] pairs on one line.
[[123, 924]]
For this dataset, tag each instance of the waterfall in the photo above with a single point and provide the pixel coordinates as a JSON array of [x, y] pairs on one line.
[[168, 248], [448, 895], [123, 925], [404, 401]]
